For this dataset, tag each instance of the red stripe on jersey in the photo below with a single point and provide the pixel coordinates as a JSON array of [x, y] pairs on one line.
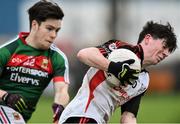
[[97, 79], [80, 122], [3, 117], [120, 44], [35, 62], [102, 50], [84, 121], [57, 79], [4, 113]]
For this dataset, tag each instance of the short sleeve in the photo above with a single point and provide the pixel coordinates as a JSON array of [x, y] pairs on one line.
[[132, 105], [110, 45], [60, 66]]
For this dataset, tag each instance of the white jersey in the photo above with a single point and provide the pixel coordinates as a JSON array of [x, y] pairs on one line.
[[96, 99], [10, 116]]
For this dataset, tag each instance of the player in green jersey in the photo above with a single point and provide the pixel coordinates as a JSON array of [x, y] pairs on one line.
[[29, 62]]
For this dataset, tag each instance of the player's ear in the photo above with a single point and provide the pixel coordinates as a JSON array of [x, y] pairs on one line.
[[147, 39], [34, 25]]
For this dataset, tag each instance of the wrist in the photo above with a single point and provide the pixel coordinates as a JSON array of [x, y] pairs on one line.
[[57, 107], [57, 110], [2, 93], [111, 67], [5, 96]]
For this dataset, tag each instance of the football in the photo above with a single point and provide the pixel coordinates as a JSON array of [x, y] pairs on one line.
[[120, 55]]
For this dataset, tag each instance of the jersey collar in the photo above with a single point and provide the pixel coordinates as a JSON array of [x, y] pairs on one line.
[[22, 36], [141, 53]]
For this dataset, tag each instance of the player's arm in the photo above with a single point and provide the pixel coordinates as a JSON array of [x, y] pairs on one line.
[[61, 93], [2, 93], [128, 118], [61, 83], [129, 110], [14, 101], [61, 99], [93, 57]]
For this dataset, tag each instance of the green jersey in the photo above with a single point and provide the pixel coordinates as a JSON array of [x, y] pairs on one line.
[[27, 71]]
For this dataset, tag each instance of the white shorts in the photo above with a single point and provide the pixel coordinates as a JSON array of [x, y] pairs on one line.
[[10, 116]]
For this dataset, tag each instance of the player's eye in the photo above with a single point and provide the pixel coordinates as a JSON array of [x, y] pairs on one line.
[[49, 28], [57, 30]]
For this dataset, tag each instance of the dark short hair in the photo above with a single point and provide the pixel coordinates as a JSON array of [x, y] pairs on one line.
[[43, 10], [159, 31]]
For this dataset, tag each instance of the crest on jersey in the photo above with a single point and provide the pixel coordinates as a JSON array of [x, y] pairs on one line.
[[44, 64], [16, 116], [112, 46]]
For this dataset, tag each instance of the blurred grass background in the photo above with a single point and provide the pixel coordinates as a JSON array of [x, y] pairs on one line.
[[121, 19], [154, 108]]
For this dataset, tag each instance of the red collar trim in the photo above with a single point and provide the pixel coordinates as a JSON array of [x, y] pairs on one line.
[[22, 35], [141, 53]]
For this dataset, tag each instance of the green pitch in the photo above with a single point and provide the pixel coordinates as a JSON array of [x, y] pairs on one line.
[[155, 108]]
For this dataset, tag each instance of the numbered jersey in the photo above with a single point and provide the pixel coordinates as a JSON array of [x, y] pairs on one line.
[[27, 71], [96, 99]]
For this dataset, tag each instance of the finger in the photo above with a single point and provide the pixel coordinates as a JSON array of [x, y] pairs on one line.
[[55, 118], [133, 71], [18, 108], [133, 77], [122, 83], [55, 122], [129, 82], [129, 61], [23, 103], [20, 105]]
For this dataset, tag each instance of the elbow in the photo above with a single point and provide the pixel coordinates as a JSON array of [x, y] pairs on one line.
[[81, 54], [128, 118]]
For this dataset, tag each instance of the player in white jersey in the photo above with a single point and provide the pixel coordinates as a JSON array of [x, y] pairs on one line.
[[96, 100]]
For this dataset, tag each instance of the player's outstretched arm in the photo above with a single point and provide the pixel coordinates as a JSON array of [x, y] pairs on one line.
[[93, 57], [128, 118], [61, 99], [14, 101]]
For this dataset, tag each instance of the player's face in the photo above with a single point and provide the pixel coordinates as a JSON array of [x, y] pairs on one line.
[[46, 32], [156, 51]]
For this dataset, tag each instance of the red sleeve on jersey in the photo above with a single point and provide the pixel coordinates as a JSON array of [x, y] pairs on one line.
[[58, 79]]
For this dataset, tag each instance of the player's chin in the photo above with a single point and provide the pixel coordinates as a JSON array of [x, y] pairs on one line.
[[156, 62], [45, 47]]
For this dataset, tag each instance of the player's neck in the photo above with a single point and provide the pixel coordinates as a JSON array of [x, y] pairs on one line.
[[30, 40]]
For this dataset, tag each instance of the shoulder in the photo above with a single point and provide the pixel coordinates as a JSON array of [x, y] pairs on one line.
[[113, 44], [10, 46], [11, 42], [56, 52]]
